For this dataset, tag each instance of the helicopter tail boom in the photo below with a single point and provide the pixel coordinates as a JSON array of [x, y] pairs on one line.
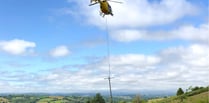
[[93, 4]]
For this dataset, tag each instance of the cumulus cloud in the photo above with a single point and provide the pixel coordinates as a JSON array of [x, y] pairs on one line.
[[60, 51], [185, 32], [139, 13], [17, 47], [142, 71], [171, 68]]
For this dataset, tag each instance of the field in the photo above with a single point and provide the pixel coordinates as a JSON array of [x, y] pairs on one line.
[[3, 100], [41, 99], [51, 99]]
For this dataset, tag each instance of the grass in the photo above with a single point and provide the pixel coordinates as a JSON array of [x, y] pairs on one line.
[[155, 100], [198, 98]]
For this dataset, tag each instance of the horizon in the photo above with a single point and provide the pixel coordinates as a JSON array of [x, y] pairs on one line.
[[103, 93], [61, 46]]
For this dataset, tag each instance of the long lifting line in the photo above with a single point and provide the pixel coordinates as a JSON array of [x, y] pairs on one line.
[[108, 57]]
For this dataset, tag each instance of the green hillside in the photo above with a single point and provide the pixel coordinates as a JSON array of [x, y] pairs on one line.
[[196, 96]]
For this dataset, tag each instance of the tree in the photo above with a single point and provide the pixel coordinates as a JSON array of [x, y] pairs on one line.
[[137, 99], [195, 88], [98, 99], [179, 92], [122, 102], [88, 101]]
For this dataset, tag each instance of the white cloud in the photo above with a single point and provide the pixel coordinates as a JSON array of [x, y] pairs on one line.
[[186, 32], [60, 51], [17, 47], [139, 13], [190, 32], [195, 56], [169, 69], [128, 35], [144, 13]]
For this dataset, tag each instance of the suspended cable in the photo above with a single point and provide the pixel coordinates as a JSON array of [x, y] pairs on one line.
[[108, 46], [108, 59]]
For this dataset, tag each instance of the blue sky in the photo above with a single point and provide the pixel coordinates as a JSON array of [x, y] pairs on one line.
[[60, 45]]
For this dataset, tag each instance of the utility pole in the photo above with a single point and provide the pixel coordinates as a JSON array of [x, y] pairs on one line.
[[109, 79], [110, 87]]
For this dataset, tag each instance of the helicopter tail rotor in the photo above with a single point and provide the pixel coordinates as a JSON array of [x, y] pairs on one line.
[[115, 1], [93, 1]]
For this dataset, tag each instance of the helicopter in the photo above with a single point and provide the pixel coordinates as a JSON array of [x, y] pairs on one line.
[[104, 6]]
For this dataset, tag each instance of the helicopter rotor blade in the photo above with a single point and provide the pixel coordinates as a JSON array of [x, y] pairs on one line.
[[93, 4], [115, 1]]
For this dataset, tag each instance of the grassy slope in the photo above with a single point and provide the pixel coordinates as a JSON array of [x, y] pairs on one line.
[[198, 98]]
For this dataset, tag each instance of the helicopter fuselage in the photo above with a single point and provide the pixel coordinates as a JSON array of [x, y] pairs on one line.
[[105, 7]]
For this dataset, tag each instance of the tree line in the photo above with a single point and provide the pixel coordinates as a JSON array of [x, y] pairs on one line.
[[98, 98]]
